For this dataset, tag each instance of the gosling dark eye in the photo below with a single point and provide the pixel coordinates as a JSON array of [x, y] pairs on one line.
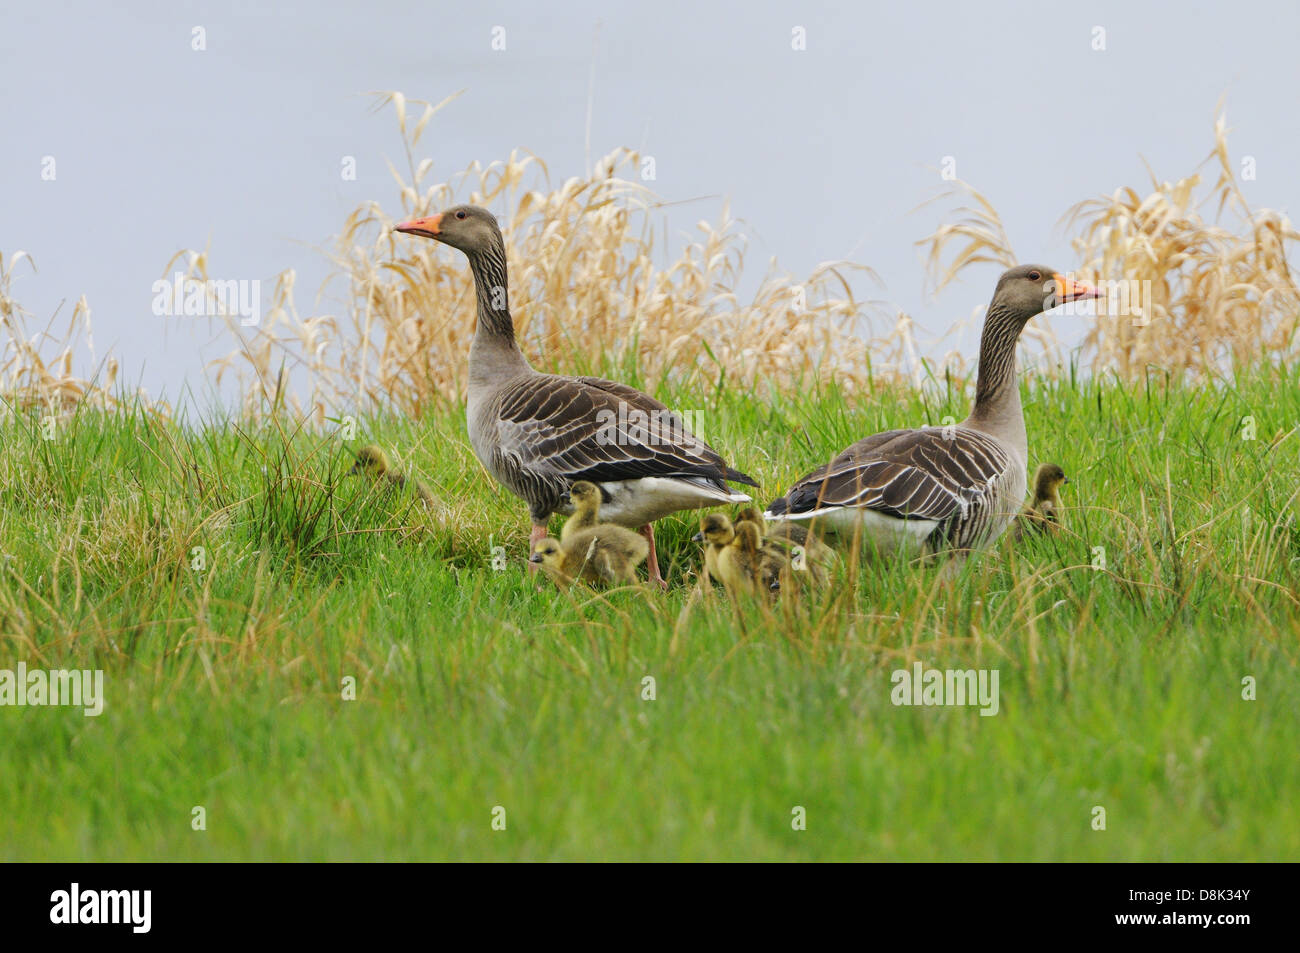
[[1035, 276], [461, 215]]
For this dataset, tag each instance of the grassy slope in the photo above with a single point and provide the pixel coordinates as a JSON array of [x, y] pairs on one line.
[[1118, 688]]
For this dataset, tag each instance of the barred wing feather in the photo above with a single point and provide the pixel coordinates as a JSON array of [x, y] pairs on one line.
[[931, 474]]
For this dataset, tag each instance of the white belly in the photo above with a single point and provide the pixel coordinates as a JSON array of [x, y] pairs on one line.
[[888, 534], [633, 503]]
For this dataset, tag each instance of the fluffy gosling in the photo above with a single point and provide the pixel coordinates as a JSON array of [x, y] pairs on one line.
[[598, 554], [715, 533], [373, 463], [586, 509], [1043, 515], [746, 568], [818, 558]]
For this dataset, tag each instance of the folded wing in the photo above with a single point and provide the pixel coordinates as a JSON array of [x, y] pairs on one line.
[[931, 474], [555, 430]]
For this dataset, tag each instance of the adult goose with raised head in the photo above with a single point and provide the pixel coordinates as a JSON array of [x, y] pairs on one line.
[[942, 488], [539, 433]]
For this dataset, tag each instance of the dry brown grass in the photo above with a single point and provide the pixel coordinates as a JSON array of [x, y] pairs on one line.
[[589, 294], [585, 290], [1221, 293], [30, 381]]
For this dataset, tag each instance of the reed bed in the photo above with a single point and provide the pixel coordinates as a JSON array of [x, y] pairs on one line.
[[594, 289], [31, 381], [588, 295], [1222, 293]]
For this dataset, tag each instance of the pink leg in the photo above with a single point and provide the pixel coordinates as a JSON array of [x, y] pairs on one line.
[[652, 559], [536, 536]]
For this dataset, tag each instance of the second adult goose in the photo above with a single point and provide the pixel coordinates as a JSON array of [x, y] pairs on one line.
[[538, 433], [942, 488]]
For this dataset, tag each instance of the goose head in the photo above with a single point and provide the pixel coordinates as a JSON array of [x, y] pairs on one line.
[[467, 227], [1029, 290]]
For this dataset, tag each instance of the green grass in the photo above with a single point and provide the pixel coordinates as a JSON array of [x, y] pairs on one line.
[[1119, 688]]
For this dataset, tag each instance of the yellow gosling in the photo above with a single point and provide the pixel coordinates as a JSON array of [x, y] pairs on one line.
[[715, 533], [795, 543], [1043, 515], [586, 509], [744, 567], [373, 464], [598, 554]]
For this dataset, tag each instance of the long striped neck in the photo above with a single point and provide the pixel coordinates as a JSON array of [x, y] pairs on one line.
[[494, 355], [492, 291], [997, 408]]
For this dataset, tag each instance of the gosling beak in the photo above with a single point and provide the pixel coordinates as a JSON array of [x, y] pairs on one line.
[[535, 558], [1067, 480], [698, 537], [356, 468], [430, 227], [1069, 290]]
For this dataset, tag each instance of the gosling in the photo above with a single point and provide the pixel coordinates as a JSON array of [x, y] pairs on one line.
[[1043, 515], [715, 533], [586, 509], [746, 568], [373, 463], [818, 558], [599, 554]]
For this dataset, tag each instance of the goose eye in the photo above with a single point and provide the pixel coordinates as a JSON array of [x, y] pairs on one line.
[[1035, 276], [460, 215]]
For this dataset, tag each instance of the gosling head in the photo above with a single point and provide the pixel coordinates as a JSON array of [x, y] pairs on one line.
[[371, 460], [585, 496], [547, 552], [750, 514], [716, 529], [1048, 478], [747, 536]]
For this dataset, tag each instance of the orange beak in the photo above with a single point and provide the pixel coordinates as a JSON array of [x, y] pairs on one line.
[[424, 227], [1067, 290]]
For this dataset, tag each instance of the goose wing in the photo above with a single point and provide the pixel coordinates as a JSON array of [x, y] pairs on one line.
[[554, 430], [930, 474]]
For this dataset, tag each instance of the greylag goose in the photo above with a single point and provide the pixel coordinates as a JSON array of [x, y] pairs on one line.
[[1043, 515], [951, 488], [538, 433], [604, 553], [373, 463]]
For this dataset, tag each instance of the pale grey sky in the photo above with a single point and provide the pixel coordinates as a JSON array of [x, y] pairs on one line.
[[823, 153]]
